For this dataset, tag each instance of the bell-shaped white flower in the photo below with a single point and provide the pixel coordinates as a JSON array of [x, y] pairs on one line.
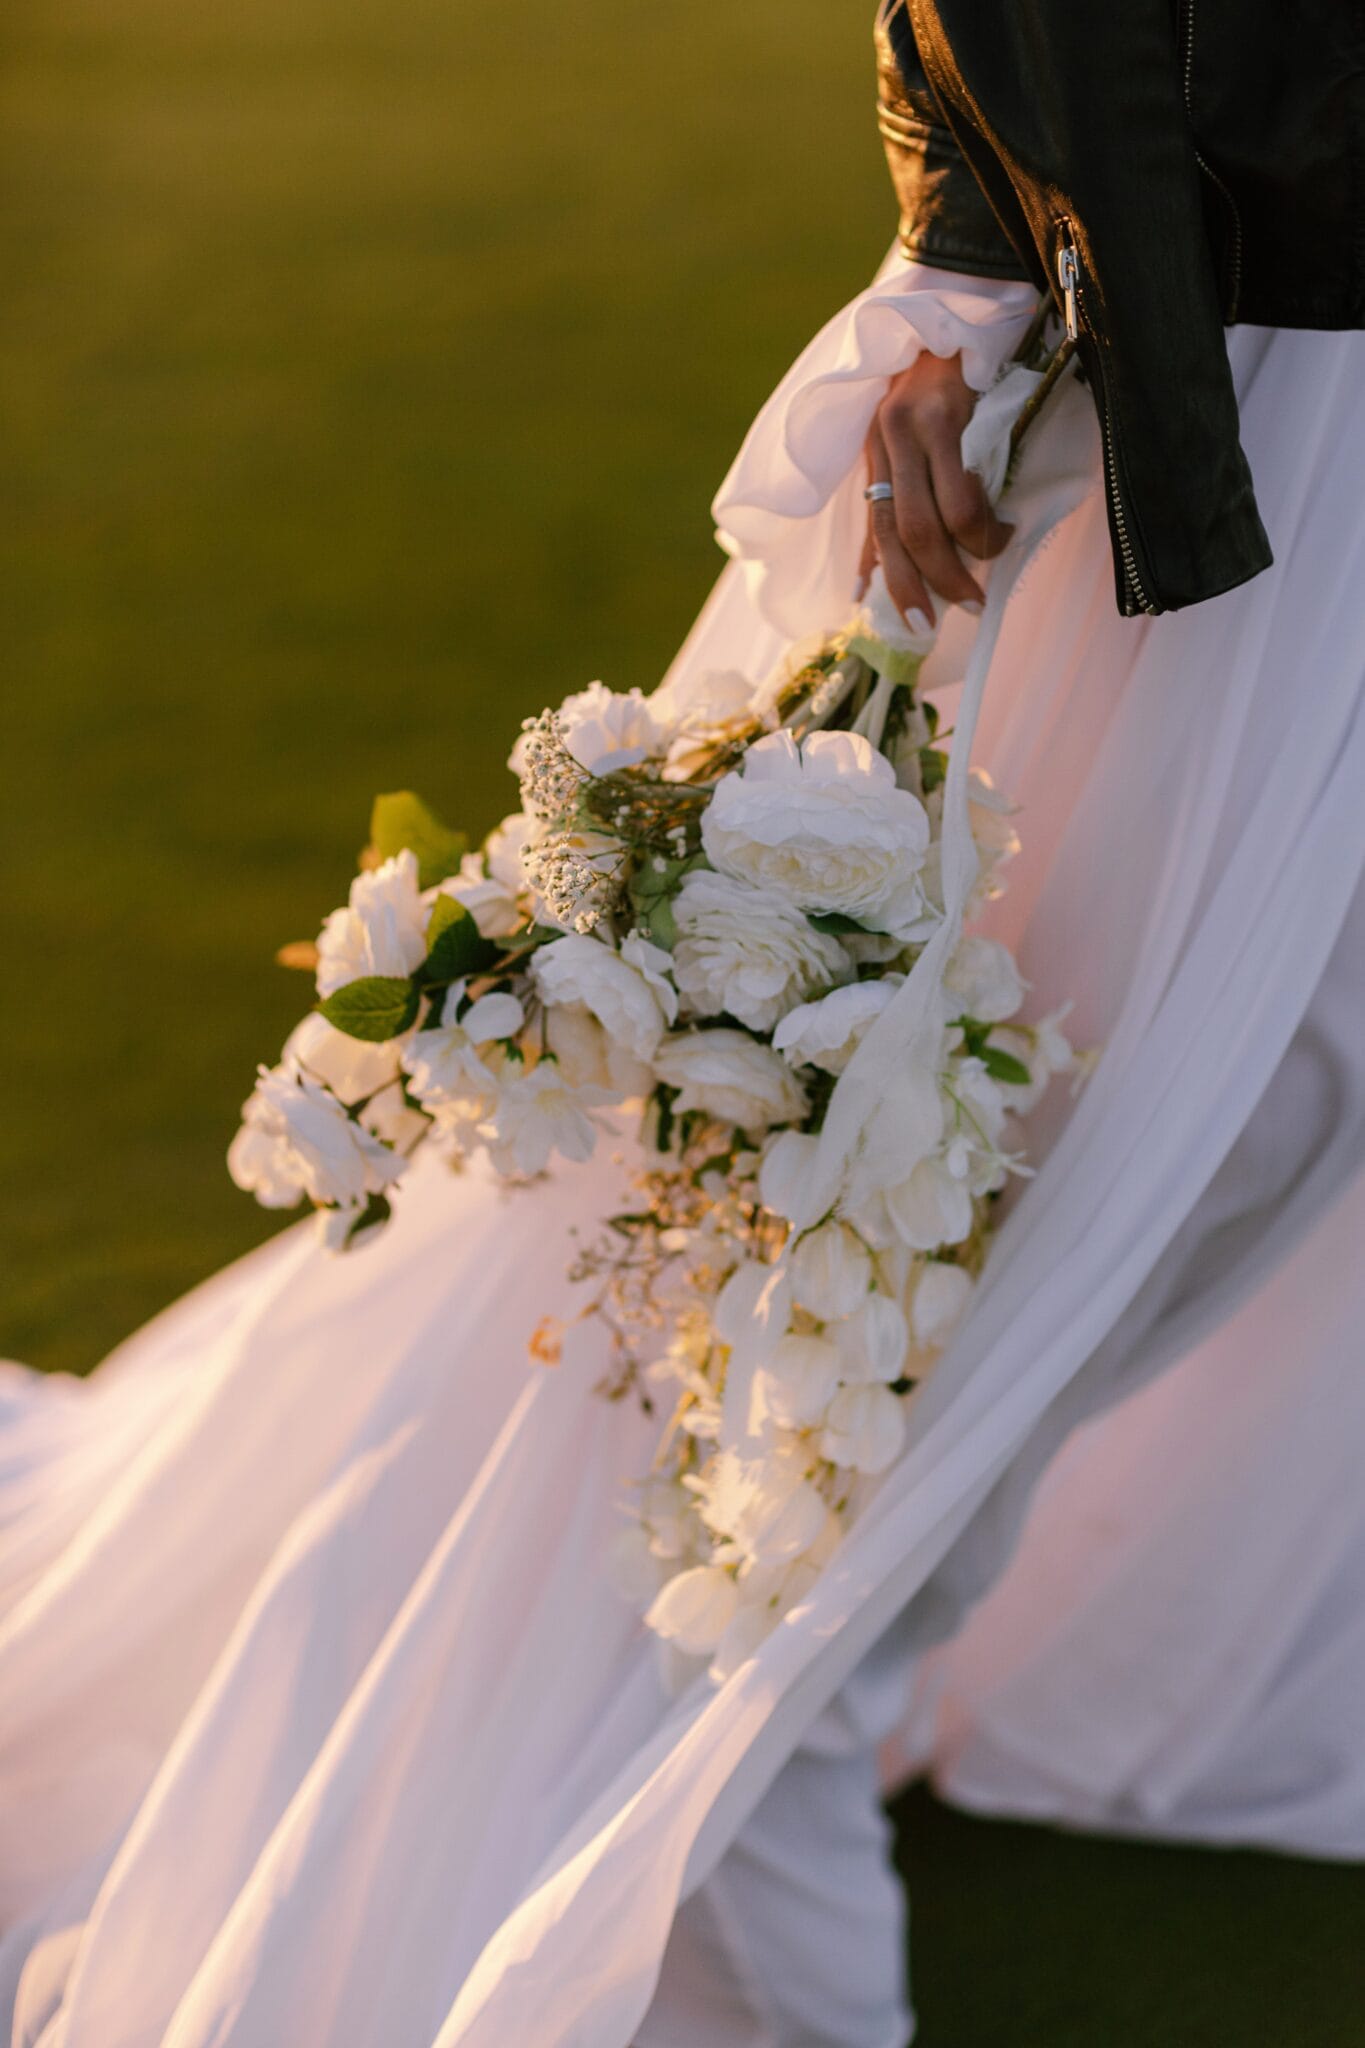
[[939, 1303], [865, 1428], [932, 1207], [798, 1380], [873, 1342], [694, 1609], [831, 1271], [982, 981]]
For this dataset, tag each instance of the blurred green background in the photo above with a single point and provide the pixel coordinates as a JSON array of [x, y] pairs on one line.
[[365, 373]]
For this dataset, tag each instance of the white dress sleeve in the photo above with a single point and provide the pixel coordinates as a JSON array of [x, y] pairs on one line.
[[790, 510]]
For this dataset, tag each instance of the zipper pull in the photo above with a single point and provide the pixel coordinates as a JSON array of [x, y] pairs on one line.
[[1067, 271]]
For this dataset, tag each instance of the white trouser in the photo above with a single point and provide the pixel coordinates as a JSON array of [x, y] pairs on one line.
[[798, 1937]]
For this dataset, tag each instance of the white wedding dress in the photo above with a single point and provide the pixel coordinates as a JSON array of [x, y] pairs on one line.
[[320, 1721]]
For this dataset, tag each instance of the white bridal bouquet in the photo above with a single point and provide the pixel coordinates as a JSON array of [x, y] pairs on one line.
[[703, 907], [740, 911]]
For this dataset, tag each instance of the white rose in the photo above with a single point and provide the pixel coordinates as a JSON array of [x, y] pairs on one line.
[[932, 1207], [730, 1076], [827, 1033], [588, 1058], [823, 826], [865, 1428], [540, 1113], [939, 1303], [831, 1271], [486, 896], [381, 931], [744, 951], [628, 993], [798, 1381], [982, 981], [605, 731], [695, 1608], [297, 1139], [873, 1342]]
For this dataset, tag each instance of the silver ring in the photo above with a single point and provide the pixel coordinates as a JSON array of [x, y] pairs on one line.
[[878, 494]]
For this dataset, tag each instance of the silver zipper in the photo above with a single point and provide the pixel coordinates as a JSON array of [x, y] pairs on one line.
[[1069, 277], [1207, 168], [1066, 278]]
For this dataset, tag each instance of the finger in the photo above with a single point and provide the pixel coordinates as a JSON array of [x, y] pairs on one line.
[[904, 584], [965, 509], [867, 562], [919, 523]]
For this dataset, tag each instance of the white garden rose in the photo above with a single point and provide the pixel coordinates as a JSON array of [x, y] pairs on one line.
[[824, 827], [628, 992], [865, 1428], [694, 1609], [744, 951], [730, 1076], [605, 730], [382, 930], [982, 981], [828, 1032], [939, 1303], [831, 1271], [589, 1058], [485, 895], [297, 1139]]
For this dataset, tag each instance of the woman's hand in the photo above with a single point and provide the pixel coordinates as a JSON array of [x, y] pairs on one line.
[[915, 445]]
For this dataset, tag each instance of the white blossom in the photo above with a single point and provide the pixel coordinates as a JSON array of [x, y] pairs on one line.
[[939, 1303], [745, 951], [382, 930], [823, 826], [982, 981], [297, 1139], [628, 993], [730, 1076], [828, 1032], [447, 1066], [872, 1342], [694, 1609], [605, 730], [766, 1506], [931, 1207], [539, 1113], [865, 1428], [831, 1271], [797, 1382]]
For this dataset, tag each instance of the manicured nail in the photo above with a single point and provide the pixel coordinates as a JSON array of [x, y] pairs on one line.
[[971, 606], [917, 622]]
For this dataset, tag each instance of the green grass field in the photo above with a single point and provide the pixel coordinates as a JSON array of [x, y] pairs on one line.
[[365, 374]]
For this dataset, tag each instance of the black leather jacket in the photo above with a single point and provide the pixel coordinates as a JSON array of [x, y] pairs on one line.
[[1164, 168]]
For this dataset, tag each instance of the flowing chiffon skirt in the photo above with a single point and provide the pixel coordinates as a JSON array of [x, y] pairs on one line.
[[320, 1719]]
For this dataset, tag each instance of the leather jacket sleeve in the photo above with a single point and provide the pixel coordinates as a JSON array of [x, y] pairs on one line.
[[945, 217]]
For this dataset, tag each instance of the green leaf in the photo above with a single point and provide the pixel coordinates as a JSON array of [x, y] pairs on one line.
[[455, 946], [375, 1214], [933, 769], [651, 890], [377, 1007], [834, 921], [1003, 1066], [401, 820]]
